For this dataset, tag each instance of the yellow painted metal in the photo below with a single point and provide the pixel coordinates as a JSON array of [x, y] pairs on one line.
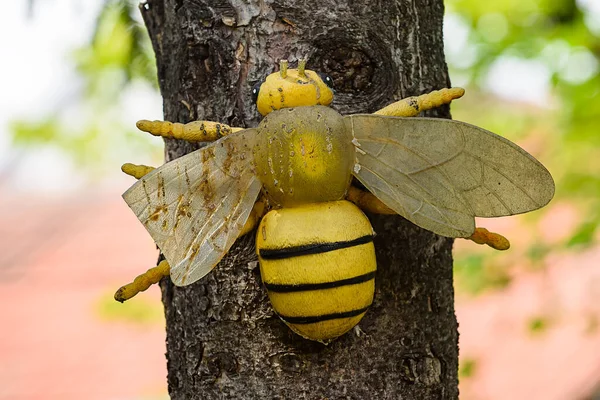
[[412, 106], [195, 131], [317, 224], [137, 171], [492, 239], [367, 202], [143, 281], [304, 155], [292, 89]]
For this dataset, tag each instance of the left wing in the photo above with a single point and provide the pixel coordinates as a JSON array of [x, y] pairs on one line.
[[194, 207], [440, 174]]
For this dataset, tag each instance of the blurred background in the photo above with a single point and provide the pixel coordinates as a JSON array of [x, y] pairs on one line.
[[75, 77]]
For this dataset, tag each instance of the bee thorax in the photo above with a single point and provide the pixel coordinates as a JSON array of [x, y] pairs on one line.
[[304, 155]]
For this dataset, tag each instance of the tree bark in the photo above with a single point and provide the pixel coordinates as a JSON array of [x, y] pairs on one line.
[[223, 339]]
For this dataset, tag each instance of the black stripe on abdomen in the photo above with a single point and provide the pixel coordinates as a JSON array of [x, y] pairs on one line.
[[324, 317], [316, 248], [279, 288]]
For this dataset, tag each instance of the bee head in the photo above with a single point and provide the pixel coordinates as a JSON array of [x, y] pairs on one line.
[[292, 88]]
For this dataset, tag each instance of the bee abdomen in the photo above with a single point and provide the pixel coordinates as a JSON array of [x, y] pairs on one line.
[[318, 266]]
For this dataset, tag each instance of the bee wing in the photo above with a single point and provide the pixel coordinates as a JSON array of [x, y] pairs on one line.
[[194, 207], [440, 173]]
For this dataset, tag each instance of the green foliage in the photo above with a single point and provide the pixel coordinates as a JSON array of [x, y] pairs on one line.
[[92, 130], [476, 273], [537, 252], [467, 368], [139, 311], [99, 144], [585, 234], [553, 32], [563, 37], [538, 325], [120, 51], [45, 131]]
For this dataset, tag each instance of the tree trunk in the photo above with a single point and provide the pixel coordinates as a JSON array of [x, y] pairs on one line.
[[223, 339]]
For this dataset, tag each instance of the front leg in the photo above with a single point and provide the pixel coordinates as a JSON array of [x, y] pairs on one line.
[[412, 106], [195, 131], [137, 171]]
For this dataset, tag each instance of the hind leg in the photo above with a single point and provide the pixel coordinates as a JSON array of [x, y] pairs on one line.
[[143, 281], [154, 275], [368, 202]]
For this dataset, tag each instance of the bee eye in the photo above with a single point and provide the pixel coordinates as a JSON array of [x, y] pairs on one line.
[[256, 91], [326, 79]]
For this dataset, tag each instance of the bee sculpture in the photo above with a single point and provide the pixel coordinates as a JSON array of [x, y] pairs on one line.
[[315, 248]]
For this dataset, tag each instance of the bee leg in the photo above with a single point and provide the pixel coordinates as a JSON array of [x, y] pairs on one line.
[[195, 131], [143, 281], [492, 239], [137, 171], [154, 275], [411, 106], [162, 270], [258, 211], [368, 202]]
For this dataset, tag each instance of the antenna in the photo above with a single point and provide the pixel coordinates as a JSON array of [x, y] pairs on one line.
[[283, 66], [301, 66]]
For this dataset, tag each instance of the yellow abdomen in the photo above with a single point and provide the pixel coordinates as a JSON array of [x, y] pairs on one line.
[[317, 262]]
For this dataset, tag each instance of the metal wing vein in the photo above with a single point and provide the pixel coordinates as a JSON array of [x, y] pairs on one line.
[[440, 174], [194, 207]]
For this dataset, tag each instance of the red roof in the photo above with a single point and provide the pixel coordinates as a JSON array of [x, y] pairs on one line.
[[63, 337], [61, 260]]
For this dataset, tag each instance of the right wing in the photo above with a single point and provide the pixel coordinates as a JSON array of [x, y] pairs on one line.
[[440, 174], [195, 206]]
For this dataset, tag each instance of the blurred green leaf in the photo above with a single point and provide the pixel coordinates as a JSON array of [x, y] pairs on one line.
[[585, 234], [563, 132], [92, 132], [476, 273], [27, 133], [538, 324], [538, 252], [120, 51], [138, 311], [467, 368], [522, 28]]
